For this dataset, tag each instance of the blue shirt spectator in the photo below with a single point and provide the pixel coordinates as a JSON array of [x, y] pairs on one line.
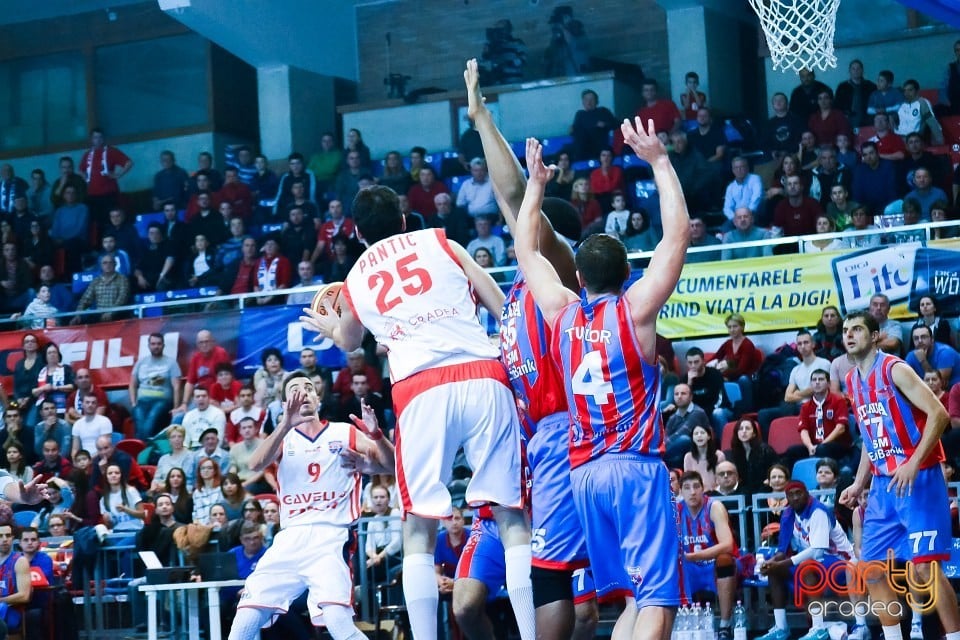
[[874, 180]]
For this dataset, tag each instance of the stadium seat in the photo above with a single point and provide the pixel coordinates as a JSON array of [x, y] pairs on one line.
[[24, 518], [144, 220], [149, 470], [131, 446], [864, 134], [805, 471], [733, 393], [726, 438], [260, 497], [116, 437], [933, 95], [454, 184], [951, 129], [784, 434], [553, 146], [81, 281]]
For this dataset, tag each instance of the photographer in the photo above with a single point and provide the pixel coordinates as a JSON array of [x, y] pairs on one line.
[[503, 56], [567, 53]]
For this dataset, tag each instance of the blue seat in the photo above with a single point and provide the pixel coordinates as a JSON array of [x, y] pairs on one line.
[[116, 437], [454, 184], [553, 146], [81, 281], [165, 296], [584, 165], [733, 393], [805, 471], [144, 220], [24, 518]]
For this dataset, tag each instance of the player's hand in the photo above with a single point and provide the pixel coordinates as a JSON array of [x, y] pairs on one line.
[[850, 496], [32, 492], [539, 172], [369, 425], [291, 408], [903, 478], [445, 584], [643, 141], [324, 324], [475, 100]]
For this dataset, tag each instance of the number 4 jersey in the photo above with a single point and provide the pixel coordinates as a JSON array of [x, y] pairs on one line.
[[314, 488], [611, 389], [411, 292]]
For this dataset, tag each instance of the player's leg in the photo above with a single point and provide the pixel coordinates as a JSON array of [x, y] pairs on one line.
[[939, 592], [515, 534], [419, 577], [623, 628], [338, 619], [553, 600], [725, 568], [586, 617], [470, 608], [248, 621], [882, 533]]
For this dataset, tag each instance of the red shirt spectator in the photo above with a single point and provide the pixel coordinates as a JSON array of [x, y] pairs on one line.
[[203, 363], [835, 412], [356, 363], [100, 164], [218, 394], [888, 144], [236, 193], [664, 114], [331, 228], [606, 178], [827, 129], [421, 195], [273, 270], [954, 404]]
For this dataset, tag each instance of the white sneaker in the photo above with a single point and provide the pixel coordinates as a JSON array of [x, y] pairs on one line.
[[859, 632], [916, 630]]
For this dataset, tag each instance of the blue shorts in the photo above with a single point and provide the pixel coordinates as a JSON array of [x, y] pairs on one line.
[[702, 576], [630, 521], [557, 540], [584, 589], [483, 558], [915, 527]]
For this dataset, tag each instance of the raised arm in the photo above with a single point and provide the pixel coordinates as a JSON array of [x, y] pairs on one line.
[[508, 180], [268, 451], [344, 329], [542, 278], [372, 453], [648, 295]]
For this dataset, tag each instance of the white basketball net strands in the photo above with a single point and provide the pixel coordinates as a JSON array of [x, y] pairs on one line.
[[799, 32]]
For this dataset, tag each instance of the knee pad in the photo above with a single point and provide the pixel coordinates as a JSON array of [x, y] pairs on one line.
[[550, 585], [725, 566]]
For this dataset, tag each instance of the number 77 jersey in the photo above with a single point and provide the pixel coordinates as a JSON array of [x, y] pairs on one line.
[[611, 390], [412, 294]]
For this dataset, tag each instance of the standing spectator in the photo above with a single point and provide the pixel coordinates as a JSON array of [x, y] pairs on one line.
[[915, 114], [853, 95], [797, 214], [39, 197], [16, 279], [783, 129], [663, 112], [202, 367], [109, 289], [297, 172], [11, 187], [102, 167], [804, 98], [241, 157], [299, 238], [826, 122], [70, 230], [25, 374], [746, 189], [89, 427], [421, 195], [360, 386], [155, 536], [325, 163], [887, 98], [591, 127], [54, 380], [170, 183], [67, 178], [202, 417], [264, 185], [692, 99], [695, 174], [273, 272], [476, 194], [154, 388]]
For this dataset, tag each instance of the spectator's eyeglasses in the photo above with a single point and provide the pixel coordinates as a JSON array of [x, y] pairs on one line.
[[725, 473]]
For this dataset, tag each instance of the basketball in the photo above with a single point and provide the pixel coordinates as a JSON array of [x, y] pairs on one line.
[[331, 293]]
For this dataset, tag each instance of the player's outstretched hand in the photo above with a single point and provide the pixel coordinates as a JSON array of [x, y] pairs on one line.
[[850, 496], [643, 141], [475, 100], [291, 408], [368, 425], [902, 479], [33, 492], [539, 172], [324, 324]]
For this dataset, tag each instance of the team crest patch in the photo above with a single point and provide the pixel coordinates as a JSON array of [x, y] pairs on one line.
[[335, 446], [829, 414], [290, 451], [635, 576]]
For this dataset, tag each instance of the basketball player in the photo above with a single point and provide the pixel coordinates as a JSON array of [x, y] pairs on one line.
[[908, 513], [710, 553], [319, 501], [558, 544], [417, 292], [605, 344]]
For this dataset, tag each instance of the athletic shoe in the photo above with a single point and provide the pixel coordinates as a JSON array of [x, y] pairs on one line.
[[725, 633], [816, 634], [859, 632], [776, 634], [916, 630]]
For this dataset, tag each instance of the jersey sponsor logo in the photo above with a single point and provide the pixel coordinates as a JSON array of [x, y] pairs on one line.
[[433, 316], [291, 499], [700, 539], [874, 410], [636, 575], [335, 446]]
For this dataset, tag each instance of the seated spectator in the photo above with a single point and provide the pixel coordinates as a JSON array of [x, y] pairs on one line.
[[199, 270], [708, 139], [421, 195], [16, 280], [809, 532], [20, 218], [90, 426], [307, 277], [561, 186], [606, 180], [799, 389], [223, 393], [703, 455], [298, 238], [925, 192], [807, 151], [241, 276], [208, 222], [663, 112], [356, 363], [170, 183], [59, 500], [325, 163], [268, 378], [207, 492], [15, 461], [264, 184], [846, 154], [384, 538], [240, 452], [236, 193], [827, 122], [824, 423], [51, 427], [297, 173], [202, 187], [745, 231], [706, 383], [39, 196], [728, 484], [915, 114], [828, 337], [298, 198], [39, 313], [248, 553], [887, 98], [455, 223], [889, 145], [825, 226], [840, 208], [939, 212], [210, 448], [179, 491], [395, 175], [681, 416], [37, 246], [360, 386], [52, 462], [917, 156], [156, 262], [587, 206], [827, 174], [890, 332], [334, 224], [591, 127], [861, 220], [927, 314], [700, 238], [109, 289], [485, 238], [746, 190], [450, 543], [247, 408], [708, 547], [13, 427], [789, 165], [935, 382], [618, 218], [796, 215], [336, 269], [273, 272], [476, 194], [637, 238], [781, 135], [179, 458], [156, 536], [203, 417], [120, 504], [232, 496], [107, 454], [928, 355]]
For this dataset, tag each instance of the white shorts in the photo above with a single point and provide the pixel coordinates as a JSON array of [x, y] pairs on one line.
[[438, 411], [308, 556]]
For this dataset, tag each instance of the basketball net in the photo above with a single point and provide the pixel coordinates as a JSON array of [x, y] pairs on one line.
[[799, 33]]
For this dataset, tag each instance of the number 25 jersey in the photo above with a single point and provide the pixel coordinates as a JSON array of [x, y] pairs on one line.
[[611, 389], [411, 292]]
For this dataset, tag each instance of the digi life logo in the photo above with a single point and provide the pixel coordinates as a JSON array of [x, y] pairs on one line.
[[861, 275]]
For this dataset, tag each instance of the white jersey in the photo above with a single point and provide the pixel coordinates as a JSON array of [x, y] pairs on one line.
[[314, 488], [411, 292]]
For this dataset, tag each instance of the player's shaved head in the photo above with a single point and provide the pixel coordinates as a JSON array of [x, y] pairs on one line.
[[376, 212], [602, 264]]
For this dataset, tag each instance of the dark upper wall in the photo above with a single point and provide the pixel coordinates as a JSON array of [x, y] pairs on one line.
[[431, 39]]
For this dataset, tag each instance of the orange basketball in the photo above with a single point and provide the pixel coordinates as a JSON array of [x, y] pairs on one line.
[[331, 293]]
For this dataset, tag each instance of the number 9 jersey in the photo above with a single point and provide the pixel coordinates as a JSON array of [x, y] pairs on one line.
[[611, 389], [411, 292]]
